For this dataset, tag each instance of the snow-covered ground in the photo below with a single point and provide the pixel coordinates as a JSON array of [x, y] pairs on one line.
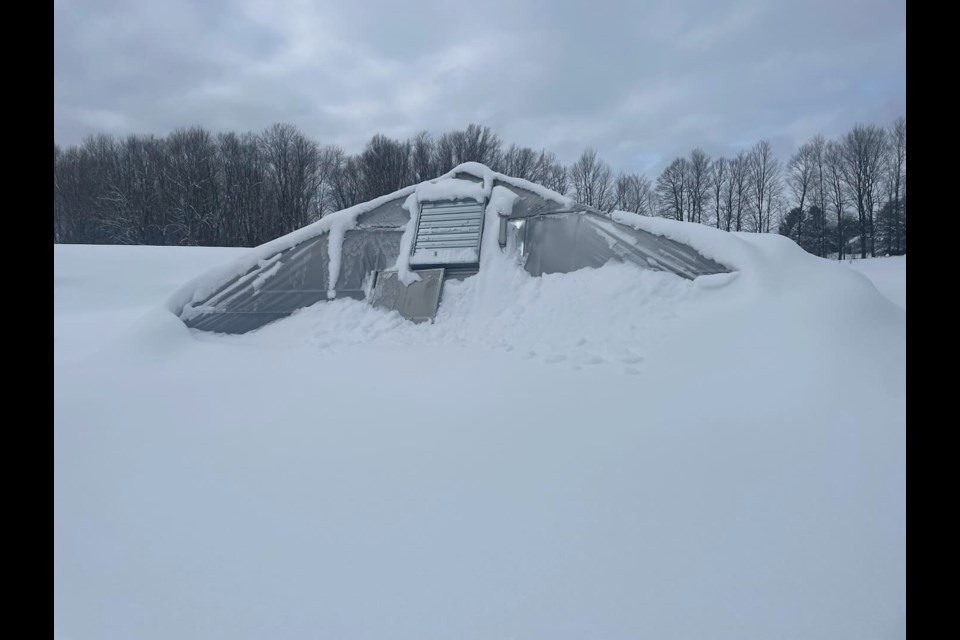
[[889, 275], [608, 454]]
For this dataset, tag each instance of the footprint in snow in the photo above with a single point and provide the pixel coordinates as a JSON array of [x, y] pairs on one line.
[[630, 358], [590, 358], [560, 357], [632, 371], [529, 354]]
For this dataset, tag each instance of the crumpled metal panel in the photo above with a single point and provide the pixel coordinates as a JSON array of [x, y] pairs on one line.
[[417, 301], [562, 243]]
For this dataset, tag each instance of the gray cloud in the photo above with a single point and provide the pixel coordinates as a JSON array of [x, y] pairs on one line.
[[642, 82]]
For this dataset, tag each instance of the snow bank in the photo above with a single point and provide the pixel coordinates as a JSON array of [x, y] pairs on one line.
[[768, 264], [100, 290], [889, 275]]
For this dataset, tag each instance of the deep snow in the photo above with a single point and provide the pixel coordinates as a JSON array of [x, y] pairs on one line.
[[610, 453], [889, 275]]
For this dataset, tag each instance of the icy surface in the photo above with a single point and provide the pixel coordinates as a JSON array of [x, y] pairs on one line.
[[610, 453]]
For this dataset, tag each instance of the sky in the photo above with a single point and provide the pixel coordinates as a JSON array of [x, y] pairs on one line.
[[640, 81]]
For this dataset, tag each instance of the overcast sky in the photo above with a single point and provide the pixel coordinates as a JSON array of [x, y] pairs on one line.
[[641, 81]]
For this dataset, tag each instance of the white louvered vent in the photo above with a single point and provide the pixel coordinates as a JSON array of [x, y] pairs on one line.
[[448, 233]]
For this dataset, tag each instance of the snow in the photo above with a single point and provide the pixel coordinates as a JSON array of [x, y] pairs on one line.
[[266, 275], [98, 291], [404, 273], [450, 256], [452, 189], [502, 201], [889, 275], [607, 453], [334, 252]]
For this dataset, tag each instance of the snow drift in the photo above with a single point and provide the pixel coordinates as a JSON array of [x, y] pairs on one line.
[[609, 453]]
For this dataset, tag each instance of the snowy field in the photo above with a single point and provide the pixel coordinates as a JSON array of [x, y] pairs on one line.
[[889, 275], [604, 454]]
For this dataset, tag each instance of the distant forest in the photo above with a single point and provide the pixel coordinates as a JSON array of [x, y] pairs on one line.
[[836, 198]]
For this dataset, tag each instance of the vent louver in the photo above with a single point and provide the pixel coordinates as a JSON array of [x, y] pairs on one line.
[[448, 234]]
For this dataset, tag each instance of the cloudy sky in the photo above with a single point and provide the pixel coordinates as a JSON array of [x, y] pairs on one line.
[[641, 81]]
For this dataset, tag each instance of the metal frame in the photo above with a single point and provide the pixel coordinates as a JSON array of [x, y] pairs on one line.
[[416, 234]]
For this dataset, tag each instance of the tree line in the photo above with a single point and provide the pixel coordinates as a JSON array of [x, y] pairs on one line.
[[193, 187], [833, 197]]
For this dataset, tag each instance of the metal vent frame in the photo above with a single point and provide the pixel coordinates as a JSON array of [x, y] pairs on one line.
[[448, 225]]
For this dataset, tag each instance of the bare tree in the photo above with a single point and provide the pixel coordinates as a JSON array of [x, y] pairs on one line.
[[328, 161], [763, 178], [698, 185], [292, 163], [193, 187], [633, 193], [243, 176], [545, 161], [719, 182], [557, 177], [818, 151], [519, 162], [863, 152], [776, 207], [895, 177], [473, 144], [735, 197], [385, 165], [58, 216], [134, 211], [672, 189], [524, 162], [77, 183], [593, 181], [346, 184], [800, 180], [837, 188], [422, 158]]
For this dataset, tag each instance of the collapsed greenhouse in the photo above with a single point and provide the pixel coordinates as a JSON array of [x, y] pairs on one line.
[[397, 251]]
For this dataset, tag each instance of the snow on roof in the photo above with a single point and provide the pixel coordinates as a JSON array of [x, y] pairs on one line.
[[451, 189], [447, 186]]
